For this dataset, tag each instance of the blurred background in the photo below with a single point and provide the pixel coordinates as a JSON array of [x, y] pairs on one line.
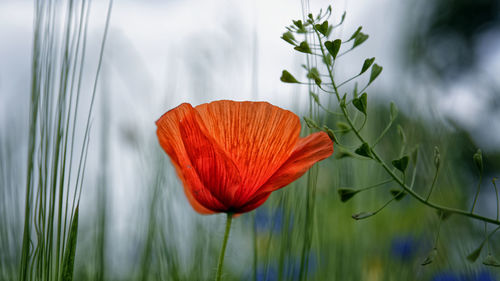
[[441, 61]]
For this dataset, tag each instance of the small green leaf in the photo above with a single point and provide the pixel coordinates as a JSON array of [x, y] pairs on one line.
[[355, 34], [401, 164], [472, 257], [363, 215], [398, 194], [360, 39], [394, 111], [346, 193], [342, 18], [314, 74], [288, 37], [376, 69], [333, 47], [430, 258], [330, 133], [298, 24], [315, 97], [364, 150], [342, 100], [286, 77], [303, 47], [414, 155], [478, 160], [70, 251], [491, 261], [401, 133], [366, 65], [343, 126], [311, 123], [361, 103], [322, 28], [342, 153]]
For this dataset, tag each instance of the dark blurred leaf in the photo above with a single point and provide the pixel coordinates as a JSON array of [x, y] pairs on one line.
[[287, 77], [398, 194], [443, 215], [430, 258], [303, 47], [491, 261], [472, 257], [364, 150], [333, 47], [366, 65], [401, 164], [346, 193], [361, 103]]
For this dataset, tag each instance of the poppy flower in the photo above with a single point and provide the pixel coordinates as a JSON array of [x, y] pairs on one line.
[[230, 156]]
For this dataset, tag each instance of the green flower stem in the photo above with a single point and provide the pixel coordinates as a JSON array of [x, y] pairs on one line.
[[218, 275], [377, 158]]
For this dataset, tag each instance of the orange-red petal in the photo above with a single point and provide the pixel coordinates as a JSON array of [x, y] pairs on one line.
[[217, 172], [171, 141], [307, 152], [257, 136]]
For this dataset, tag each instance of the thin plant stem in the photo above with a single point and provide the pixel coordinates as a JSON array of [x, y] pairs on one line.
[[432, 185], [477, 192], [218, 275]]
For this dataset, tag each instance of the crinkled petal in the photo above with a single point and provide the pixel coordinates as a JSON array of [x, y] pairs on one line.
[[171, 141], [257, 136], [308, 151], [216, 171]]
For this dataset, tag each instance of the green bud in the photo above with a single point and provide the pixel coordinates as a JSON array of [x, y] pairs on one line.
[[394, 111], [437, 157], [311, 123], [363, 215], [330, 133], [478, 160]]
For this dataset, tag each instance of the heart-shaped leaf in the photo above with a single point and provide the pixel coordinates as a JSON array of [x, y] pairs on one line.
[[303, 47], [361, 103], [364, 150], [288, 37], [401, 164], [367, 64], [333, 47], [360, 39], [286, 77], [376, 69], [322, 28]]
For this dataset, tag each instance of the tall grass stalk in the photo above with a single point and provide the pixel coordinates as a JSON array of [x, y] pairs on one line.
[[50, 220]]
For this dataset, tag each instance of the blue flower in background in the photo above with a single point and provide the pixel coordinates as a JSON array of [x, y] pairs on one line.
[[404, 248], [265, 221], [483, 276]]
